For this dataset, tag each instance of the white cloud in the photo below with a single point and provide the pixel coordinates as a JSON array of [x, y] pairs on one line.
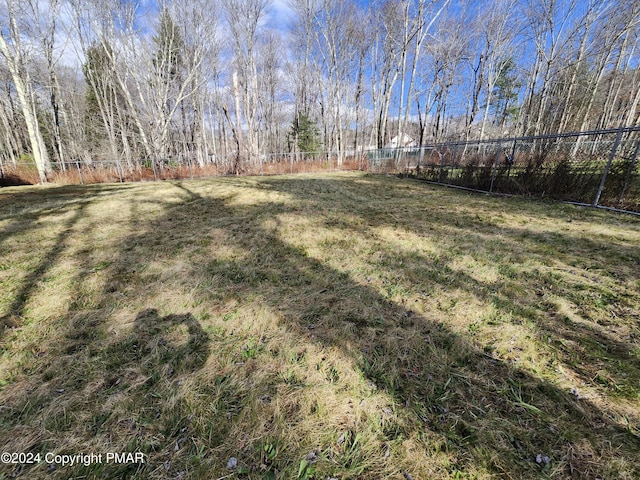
[[280, 15]]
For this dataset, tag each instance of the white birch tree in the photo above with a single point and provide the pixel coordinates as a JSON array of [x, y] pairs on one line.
[[18, 58]]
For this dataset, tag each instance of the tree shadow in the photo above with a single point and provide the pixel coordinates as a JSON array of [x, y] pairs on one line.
[[439, 375], [440, 383], [126, 397], [83, 378], [56, 200], [569, 304], [13, 317]]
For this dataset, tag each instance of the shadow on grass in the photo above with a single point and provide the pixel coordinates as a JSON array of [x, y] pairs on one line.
[[118, 394], [441, 376], [13, 318], [485, 412], [588, 347], [41, 204]]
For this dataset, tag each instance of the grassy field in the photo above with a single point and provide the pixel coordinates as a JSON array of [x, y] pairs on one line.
[[343, 326]]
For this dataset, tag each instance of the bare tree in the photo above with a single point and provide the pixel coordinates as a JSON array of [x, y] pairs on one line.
[[155, 87], [17, 56], [336, 57], [551, 32], [112, 25], [426, 16], [270, 90], [13, 128], [500, 28], [303, 36], [244, 19]]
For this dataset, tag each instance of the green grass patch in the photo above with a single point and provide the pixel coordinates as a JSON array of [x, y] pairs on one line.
[[343, 326]]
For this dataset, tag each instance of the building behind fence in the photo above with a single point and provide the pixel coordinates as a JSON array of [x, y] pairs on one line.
[[598, 168]]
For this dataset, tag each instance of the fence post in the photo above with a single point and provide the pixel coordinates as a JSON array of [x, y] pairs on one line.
[[79, 173], [441, 165], [456, 164], [119, 170], [632, 167], [607, 167], [495, 166], [512, 160]]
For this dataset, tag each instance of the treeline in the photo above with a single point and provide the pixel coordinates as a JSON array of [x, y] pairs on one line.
[[235, 82]]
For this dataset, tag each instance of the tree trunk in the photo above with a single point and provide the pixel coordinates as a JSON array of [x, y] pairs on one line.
[[27, 102]]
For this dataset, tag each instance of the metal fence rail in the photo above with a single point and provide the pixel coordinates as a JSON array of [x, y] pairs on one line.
[[597, 168]]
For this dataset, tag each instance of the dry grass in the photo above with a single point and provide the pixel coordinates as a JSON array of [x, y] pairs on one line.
[[321, 326], [111, 173]]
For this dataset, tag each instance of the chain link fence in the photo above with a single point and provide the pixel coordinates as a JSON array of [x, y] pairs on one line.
[[596, 168], [110, 171]]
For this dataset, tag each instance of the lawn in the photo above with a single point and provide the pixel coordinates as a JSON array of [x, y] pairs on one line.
[[326, 326]]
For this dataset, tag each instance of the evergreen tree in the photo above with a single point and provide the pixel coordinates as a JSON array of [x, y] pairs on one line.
[[305, 134], [505, 94], [96, 75], [168, 60], [167, 84]]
